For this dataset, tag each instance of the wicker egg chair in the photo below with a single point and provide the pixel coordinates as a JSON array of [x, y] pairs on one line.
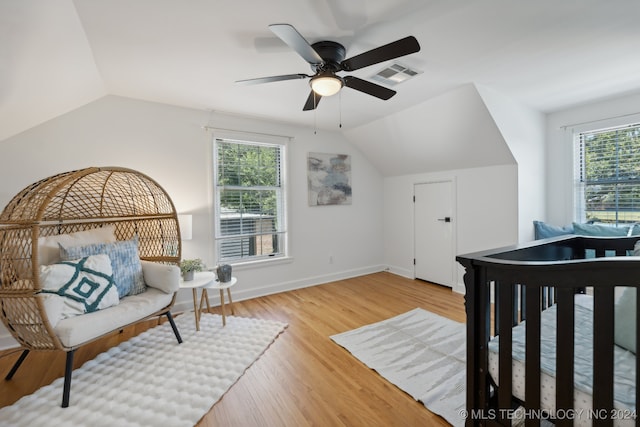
[[69, 202]]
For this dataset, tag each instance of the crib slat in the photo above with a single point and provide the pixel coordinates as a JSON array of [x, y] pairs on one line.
[[484, 334], [496, 310], [532, 353], [505, 302], [514, 306], [603, 332], [523, 302], [637, 358], [565, 352]]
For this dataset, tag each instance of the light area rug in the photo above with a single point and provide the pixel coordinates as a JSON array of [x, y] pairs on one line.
[[151, 380], [421, 353]]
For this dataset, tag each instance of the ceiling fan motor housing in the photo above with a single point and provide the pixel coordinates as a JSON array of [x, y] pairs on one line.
[[332, 53]]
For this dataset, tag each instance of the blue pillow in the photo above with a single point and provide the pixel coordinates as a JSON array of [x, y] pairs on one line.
[[635, 229], [125, 261], [600, 230], [543, 230]]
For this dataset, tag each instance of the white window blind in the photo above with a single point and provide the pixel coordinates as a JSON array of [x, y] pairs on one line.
[[607, 175], [249, 200]]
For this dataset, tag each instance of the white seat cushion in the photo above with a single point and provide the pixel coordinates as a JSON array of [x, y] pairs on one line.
[[78, 330]]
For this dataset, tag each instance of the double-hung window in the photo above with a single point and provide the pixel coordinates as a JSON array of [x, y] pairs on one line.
[[607, 175], [250, 223]]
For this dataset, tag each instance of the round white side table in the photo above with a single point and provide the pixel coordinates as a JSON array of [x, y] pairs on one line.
[[221, 286], [201, 279]]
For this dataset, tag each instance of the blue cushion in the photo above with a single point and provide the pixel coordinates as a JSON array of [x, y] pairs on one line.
[[543, 230], [600, 230], [127, 269]]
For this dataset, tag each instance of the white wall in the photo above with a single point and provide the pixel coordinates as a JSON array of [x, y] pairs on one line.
[[523, 130], [559, 159], [486, 213], [168, 144]]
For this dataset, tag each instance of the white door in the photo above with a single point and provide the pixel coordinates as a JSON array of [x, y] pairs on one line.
[[434, 232]]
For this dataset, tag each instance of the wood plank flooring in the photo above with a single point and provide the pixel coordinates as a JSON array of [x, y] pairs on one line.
[[303, 379]]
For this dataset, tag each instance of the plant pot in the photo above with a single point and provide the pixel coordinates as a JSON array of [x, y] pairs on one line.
[[224, 273], [187, 275]]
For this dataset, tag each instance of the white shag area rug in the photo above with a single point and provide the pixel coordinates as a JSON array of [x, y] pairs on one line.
[[151, 380], [421, 353]]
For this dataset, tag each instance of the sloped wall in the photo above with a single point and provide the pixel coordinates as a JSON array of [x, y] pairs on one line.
[[451, 131], [48, 68]]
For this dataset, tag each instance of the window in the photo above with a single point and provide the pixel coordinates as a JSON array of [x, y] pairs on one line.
[[608, 175], [249, 200]]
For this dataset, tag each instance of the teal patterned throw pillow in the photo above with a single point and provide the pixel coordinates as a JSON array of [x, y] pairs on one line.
[[85, 285], [125, 261]]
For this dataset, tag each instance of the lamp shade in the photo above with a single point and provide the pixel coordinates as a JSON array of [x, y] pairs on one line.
[[326, 84], [186, 226]]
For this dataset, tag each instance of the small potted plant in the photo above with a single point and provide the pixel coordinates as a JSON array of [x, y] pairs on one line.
[[190, 266]]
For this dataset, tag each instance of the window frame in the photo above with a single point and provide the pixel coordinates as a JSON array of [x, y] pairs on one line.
[[251, 139], [581, 180]]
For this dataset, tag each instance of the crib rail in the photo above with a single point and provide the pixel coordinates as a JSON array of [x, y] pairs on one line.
[[509, 285]]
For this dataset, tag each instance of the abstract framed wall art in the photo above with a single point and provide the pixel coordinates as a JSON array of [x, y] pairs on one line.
[[329, 178]]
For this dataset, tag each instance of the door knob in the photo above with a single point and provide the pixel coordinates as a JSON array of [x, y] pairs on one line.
[[445, 219]]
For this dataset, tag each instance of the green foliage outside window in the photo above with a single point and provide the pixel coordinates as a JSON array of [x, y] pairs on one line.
[[250, 175], [610, 173]]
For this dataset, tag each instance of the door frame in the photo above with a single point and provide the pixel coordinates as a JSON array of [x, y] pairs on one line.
[[454, 229]]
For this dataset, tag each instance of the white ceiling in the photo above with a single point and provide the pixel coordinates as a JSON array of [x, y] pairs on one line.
[[57, 55]]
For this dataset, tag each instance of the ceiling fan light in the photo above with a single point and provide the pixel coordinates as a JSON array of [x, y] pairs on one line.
[[326, 85]]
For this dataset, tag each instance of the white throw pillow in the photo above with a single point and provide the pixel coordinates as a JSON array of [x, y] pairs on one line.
[[85, 285], [53, 306], [625, 320], [49, 251], [164, 277]]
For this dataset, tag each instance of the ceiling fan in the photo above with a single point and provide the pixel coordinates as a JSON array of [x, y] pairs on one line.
[[327, 58]]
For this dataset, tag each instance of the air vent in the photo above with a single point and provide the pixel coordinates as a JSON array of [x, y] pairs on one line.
[[394, 74]]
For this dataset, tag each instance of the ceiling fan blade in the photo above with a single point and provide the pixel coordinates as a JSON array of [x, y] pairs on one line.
[[312, 101], [368, 87], [392, 50], [292, 37], [272, 79]]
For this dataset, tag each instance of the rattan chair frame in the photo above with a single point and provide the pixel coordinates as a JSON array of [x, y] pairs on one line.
[[68, 202]]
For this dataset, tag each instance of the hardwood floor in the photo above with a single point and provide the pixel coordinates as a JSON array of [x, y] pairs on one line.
[[303, 379]]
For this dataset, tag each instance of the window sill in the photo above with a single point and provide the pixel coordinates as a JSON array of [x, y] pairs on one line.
[[248, 265]]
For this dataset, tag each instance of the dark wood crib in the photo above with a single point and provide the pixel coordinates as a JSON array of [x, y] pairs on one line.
[[511, 285]]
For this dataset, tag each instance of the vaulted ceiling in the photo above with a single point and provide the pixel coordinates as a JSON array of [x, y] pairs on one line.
[[57, 55]]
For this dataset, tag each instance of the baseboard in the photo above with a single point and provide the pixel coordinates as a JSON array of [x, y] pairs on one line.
[[459, 288], [186, 303], [409, 274]]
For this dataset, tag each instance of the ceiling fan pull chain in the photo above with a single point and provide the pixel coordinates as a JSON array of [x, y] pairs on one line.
[[340, 108], [315, 114]]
